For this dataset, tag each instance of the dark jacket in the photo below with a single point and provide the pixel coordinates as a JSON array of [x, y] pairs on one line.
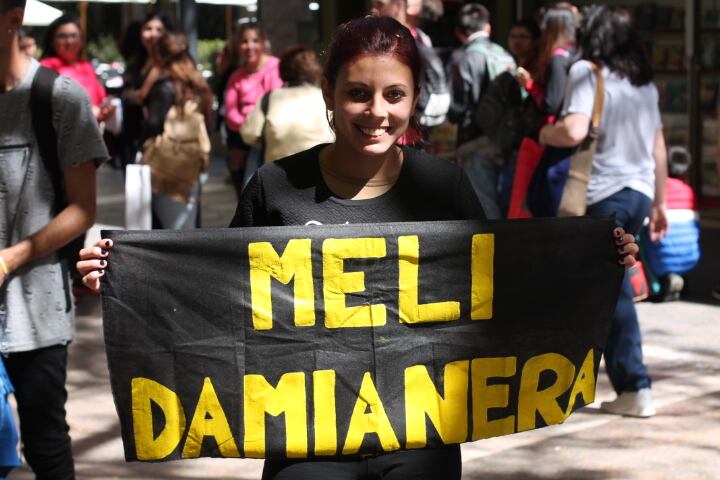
[[468, 79]]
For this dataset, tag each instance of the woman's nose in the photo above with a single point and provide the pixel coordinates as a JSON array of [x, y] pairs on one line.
[[378, 106]]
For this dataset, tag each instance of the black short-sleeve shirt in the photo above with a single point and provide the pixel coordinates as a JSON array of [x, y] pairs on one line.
[[291, 191]]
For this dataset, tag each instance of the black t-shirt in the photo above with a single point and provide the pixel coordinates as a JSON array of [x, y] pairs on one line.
[[291, 191]]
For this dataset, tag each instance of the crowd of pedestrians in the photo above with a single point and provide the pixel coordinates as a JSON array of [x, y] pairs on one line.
[[351, 131]]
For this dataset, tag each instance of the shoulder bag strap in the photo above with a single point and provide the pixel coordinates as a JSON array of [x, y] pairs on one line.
[[574, 196], [45, 135]]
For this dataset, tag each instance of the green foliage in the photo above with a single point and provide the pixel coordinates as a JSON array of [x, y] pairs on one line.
[[105, 49], [207, 51]]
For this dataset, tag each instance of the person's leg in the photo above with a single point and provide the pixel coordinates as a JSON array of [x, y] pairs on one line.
[[39, 380], [428, 464], [341, 469], [623, 354], [483, 174], [236, 158]]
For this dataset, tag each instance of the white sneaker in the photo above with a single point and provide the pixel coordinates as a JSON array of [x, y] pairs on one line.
[[632, 404]]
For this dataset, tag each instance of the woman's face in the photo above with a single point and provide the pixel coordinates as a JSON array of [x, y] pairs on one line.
[[150, 32], [372, 103], [67, 42], [251, 47], [520, 42]]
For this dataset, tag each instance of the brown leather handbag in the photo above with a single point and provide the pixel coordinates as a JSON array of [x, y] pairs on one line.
[[574, 196]]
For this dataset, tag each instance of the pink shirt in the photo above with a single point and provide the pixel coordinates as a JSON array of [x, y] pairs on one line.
[[83, 73], [245, 88]]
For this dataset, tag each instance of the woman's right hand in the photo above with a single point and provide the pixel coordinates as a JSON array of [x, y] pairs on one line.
[[93, 262]]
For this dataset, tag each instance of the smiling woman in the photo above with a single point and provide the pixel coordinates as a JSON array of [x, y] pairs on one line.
[[370, 85]]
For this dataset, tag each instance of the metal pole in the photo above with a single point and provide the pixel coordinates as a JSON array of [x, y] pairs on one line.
[[188, 15]]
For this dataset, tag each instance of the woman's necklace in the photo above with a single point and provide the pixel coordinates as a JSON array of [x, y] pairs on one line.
[[360, 181]]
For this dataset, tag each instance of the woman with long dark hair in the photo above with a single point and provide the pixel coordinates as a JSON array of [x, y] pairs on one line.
[[556, 53], [628, 171], [136, 45], [179, 82]]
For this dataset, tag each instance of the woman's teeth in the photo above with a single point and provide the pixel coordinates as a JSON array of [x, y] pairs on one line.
[[373, 132]]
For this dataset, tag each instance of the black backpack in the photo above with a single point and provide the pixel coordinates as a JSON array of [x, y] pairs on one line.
[[434, 98], [45, 135], [506, 113], [46, 139]]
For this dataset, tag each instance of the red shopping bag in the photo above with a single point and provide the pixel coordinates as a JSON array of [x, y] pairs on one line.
[[528, 159]]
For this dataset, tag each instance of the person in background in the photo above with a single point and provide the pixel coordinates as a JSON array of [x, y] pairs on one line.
[[64, 52], [671, 258], [137, 43], [226, 62], [557, 52], [434, 100], [36, 307], [28, 45], [178, 81], [628, 172], [472, 68], [523, 44], [292, 118], [258, 75]]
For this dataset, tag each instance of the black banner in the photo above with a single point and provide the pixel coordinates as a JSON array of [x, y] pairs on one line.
[[325, 341]]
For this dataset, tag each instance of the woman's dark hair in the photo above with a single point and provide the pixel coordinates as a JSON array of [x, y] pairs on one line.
[[609, 39], [472, 18], [558, 23], [131, 45], [171, 53], [374, 35], [530, 25], [299, 64], [48, 49], [252, 25]]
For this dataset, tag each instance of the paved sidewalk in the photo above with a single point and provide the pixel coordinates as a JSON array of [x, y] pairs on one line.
[[682, 349]]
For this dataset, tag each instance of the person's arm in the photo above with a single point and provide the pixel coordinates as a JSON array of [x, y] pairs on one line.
[[252, 130], [138, 96], [574, 126], [158, 103], [568, 132], [555, 84], [658, 216], [70, 223]]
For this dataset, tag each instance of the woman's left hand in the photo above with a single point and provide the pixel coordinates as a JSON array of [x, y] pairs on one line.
[[627, 248]]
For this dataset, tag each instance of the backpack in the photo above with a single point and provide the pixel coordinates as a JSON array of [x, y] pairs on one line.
[[497, 59], [41, 114], [180, 153], [434, 98], [45, 135], [506, 113]]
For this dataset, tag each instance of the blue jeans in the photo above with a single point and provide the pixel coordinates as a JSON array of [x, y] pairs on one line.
[[623, 354]]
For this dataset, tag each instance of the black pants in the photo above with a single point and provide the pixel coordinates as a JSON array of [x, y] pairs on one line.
[[438, 463], [39, 380]]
